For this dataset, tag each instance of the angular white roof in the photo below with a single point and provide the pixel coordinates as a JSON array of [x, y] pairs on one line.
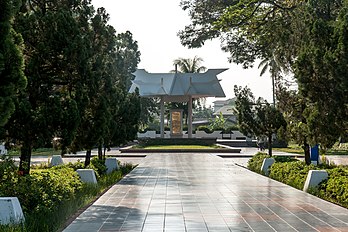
[[178, 86]]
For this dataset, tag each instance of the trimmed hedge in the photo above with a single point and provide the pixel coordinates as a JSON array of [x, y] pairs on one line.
[[255, 163], [335, 189], [291, 173], [50, 195], [294, 173], [42, 190]]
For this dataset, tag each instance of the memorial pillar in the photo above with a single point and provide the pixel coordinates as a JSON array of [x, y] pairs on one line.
[[189, 126], [162, 118]]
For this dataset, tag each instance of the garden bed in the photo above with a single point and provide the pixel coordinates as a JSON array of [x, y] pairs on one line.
[[294, 173], [49, 196]]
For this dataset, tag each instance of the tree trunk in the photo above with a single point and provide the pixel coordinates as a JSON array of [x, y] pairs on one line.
[[104, 152], [270, 145], [100, 152], [307, 154], [88, 157], [24, 163]]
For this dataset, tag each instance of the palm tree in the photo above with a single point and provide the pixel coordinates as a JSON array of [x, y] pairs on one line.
[[275, 67], [187, 65]]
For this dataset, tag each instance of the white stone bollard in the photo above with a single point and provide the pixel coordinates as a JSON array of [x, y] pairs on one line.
[[57, 160], [314, 177], [266, 164], [111, 164], [3, 150], [10, 211], [87, 175]]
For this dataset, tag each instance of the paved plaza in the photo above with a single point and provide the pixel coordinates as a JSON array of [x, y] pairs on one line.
[[203, 192]]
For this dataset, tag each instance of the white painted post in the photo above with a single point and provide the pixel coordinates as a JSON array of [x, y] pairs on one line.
[[266, 164], [57, 160], [162, 117], [10, 211], [314, 178], [111, 164], [87, 175]]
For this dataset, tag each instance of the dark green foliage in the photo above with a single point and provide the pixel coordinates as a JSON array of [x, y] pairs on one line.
[[335, 189], [99, 166], [283, 159], [307, 38], [43, 190], [8, 175], [203, 112], [255, 163], [294, 173], [76, 165], [12, 79], [126, 168], [149, 109], [257, 118], [291, 173], [52, 195], [79, 71]]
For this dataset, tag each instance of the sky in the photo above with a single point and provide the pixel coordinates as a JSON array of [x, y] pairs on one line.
[[155, 24]]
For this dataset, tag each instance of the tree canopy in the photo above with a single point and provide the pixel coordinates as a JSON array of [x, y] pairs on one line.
[[307, 37], [79, 70], [12, 79], [257, 118]]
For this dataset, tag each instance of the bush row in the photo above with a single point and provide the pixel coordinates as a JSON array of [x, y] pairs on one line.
[[49, 195], [294, 173]]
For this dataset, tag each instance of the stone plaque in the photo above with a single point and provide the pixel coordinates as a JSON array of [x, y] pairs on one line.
[[176, 122]]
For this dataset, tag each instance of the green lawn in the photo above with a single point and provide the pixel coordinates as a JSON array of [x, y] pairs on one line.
[[37, 152], [296, 149]]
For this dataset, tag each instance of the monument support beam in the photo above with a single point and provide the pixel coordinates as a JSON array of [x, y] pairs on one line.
[[162, 118], [189, 126]]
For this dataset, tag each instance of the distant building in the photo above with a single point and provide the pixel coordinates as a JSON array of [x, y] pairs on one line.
[[220, 103], [226, 108]]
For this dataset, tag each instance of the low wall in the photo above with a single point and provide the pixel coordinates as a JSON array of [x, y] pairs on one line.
[[177, 141], [197, 134]]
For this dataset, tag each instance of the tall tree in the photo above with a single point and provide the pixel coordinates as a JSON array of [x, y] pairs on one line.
[[321, 69], [257, 118], [308, 36], [113, 58], [294, 107], [275, 68], [12, 78], [187, 65], [55, 51]]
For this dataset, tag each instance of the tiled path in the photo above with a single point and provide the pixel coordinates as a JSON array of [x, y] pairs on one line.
[[202, 192]]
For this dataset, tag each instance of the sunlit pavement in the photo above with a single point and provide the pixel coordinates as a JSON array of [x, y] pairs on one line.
[[203, 192]]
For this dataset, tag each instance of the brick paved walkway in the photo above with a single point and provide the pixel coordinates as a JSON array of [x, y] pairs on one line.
[[202, 192]]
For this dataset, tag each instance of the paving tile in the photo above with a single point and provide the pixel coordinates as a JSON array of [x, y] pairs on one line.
[[203, 192]]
